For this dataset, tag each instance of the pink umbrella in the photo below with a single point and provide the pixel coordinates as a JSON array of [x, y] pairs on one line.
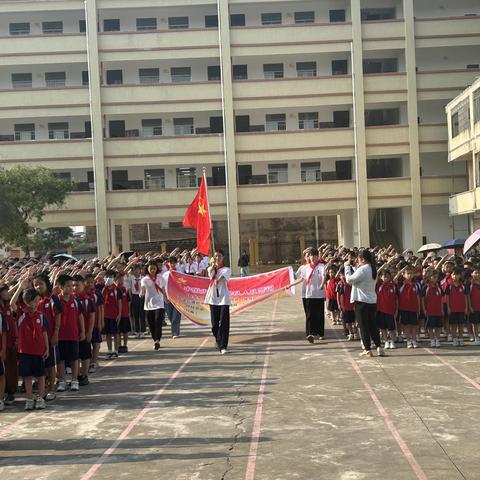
[[471, 241]]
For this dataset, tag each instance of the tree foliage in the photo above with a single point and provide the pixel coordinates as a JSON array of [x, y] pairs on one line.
[[25, 192]]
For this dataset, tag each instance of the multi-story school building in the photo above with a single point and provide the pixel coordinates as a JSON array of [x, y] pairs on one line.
[[315, 119], [463, 115]]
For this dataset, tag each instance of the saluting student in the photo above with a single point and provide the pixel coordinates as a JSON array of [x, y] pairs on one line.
[[218, 297]]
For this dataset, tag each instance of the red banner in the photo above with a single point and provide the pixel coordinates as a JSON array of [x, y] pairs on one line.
[[187, 292]]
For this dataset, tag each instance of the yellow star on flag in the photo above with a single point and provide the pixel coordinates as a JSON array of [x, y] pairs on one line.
[[201, 209], [182, 281]]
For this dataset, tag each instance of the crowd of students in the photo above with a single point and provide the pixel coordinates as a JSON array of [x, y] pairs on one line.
[[436, 299], [54, 315]]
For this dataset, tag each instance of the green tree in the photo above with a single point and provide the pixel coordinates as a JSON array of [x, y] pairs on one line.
[[52, 238], [24, 194]]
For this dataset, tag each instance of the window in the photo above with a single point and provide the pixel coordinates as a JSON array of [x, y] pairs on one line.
[[114, 77], [237, 20], [307, 120], [273, 70], [341, 119], [116, 128], [377, 14], [244, 174], [461, 118], [19, 28], [278, 173], [52, 27], [337, 15], [343, 170], [85, 77], [151, 127], [310, 172], [181, 74], [384, 167], [186, 177], [216, 124], [111, 25], [183, 126], [21, 80], [218, 176], [306, 69], [339, 67], [154, 178], [240, 72], [55, 79], [149, 75], [304, 17], [120, 180], [214, 72], [275, 122], [211, 21], [242, 123], [66, 176], [177, 22], [146, 24], [271, 18], [24, 131], [58, 131], [380, 65], [476, 106], [82, 26], [386, 116]]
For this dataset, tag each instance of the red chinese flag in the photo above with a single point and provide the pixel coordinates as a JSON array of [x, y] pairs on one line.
[[198, 217]]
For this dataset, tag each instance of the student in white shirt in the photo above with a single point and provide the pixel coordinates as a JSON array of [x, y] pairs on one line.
[[153, 285], [137, 310], [218, 297], [313, 274]]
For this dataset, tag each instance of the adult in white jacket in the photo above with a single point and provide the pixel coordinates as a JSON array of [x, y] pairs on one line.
[[363, 281]]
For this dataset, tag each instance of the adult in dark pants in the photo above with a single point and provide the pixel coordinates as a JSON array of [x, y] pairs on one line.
[[313, 293], [363, 281], [153, 285], [218, 297], [137, 307]]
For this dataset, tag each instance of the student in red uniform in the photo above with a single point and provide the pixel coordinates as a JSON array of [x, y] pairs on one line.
[[3, 352], [124, 328], [112, 297], [72, 331], [457, 306], [432, 306], [347, 308], [84, 346], [331, 296], [409, 306], [10, 361], [474, 304], [50, 307], [447, 270], [97, 299], [387, 307], [33, 348]]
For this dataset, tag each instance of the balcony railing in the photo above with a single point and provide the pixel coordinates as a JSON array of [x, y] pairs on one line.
[[275, 126], [306, 73], [155, 183], [184, 130], [151, 131], [24, 136], [58, 134], [273, 75], [307, 124]]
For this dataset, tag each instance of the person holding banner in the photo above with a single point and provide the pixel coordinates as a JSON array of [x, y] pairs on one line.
[[152, 285], [313, 274], [218, 297]]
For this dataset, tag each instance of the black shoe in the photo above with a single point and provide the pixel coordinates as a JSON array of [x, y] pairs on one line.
[[114, 355], [9, 399], [164, 323], [125, 349], [156, 346], [83, 380], [121, 349], [310, 338]]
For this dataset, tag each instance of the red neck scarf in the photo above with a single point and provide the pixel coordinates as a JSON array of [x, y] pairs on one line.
[[154, 280], [313, 266], [137, 284]]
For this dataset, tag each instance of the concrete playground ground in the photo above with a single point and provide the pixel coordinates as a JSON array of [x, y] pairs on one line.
[[275, 407]]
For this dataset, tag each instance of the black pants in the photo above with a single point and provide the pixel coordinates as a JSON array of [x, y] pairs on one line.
[[155, 322], [315, 316], [366, 317], [220, 317], [138, 313]]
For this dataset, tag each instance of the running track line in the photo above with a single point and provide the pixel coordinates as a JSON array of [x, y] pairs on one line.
[[8, 428], [458, 372], [252, 456], [101, 460], [420, 474]]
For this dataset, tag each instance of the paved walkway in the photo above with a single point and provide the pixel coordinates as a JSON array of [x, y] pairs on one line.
[[274, 408]]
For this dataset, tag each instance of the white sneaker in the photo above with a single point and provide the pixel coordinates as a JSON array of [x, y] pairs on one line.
[[460, 342], [380, 352], [433, 343], [449, 338], [39, 404], [477, 341], [414, 344], [455, 342], [29, 404], [223, 351], [437, 343], [2, 405], [472, 338], [61, 386], [409, 344], [392, 344], [74, 386]]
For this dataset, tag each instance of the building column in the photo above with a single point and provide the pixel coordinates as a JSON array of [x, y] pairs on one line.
[[229, 134], [412, 113], [359, 126], [97, 129], [113, 238], [345, 225], [125, 236]]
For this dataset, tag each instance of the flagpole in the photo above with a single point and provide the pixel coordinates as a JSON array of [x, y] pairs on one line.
[[209, 214]]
